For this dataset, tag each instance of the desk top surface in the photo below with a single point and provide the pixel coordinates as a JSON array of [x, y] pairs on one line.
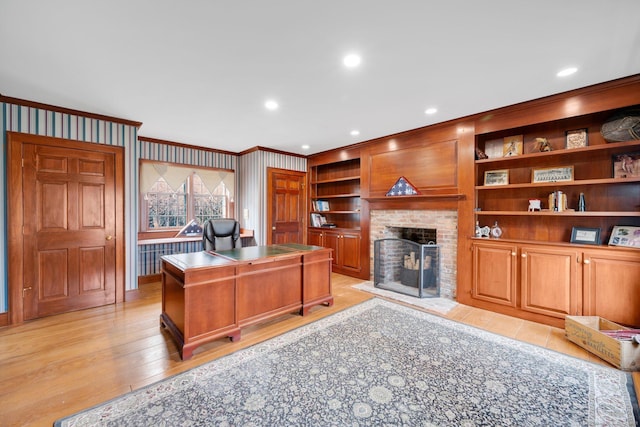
[[229, 257]]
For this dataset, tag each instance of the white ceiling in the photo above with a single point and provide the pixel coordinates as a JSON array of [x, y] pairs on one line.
[[199, 71]]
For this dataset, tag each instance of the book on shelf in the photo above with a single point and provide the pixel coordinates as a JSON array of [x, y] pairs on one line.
[[318, 220]]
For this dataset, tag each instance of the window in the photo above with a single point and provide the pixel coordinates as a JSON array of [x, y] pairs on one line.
[[171, 195]]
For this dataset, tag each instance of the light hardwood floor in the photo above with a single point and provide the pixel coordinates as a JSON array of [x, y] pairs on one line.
[[59, 365]]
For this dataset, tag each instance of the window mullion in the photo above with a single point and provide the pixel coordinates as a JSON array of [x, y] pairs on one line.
[[190, 199]]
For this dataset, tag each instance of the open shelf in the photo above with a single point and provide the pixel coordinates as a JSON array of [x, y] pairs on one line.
[[560, 214]]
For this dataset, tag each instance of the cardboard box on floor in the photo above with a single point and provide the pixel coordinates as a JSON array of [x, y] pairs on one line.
[[585, 331]]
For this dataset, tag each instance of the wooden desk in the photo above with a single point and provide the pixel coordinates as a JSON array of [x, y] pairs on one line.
[[208, 295]]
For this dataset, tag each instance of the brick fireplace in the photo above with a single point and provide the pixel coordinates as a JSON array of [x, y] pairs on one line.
[[446, 224]]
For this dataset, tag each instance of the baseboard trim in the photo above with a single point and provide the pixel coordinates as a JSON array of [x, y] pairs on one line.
[[151, 278], [4, 319]]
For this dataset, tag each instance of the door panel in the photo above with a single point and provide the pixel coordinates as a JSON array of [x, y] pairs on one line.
[[611, 286], [69, 224], [286, 212], [350, 255], [494, 273], [550, 282]]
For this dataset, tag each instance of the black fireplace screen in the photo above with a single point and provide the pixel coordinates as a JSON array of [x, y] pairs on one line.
[[407, 267]]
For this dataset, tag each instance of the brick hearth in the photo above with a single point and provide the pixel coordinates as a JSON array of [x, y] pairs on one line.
[[445, 221]]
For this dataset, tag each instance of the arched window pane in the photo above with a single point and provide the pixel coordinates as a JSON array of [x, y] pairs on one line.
[[166, 208], [208, 205]]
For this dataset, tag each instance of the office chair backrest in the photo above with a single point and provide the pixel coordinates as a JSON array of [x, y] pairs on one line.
[[221, 234]]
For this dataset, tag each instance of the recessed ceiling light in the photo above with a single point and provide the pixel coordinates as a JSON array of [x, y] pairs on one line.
[[352, 60], [306, 146], [431, 110], [271, 105], [355, 132], [567, 72]]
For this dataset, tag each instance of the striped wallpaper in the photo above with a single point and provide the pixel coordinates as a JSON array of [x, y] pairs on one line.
[[149, 256], [252, 186], [38, 121], [251, 181]]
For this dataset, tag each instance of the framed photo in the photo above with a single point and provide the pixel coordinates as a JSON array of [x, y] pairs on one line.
[[498, 177], [512, 145], [585, 236], [626, 165], [623, 235], [576, 138], [557, 174], [322, 205]]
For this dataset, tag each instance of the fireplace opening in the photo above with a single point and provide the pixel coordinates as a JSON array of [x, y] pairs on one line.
[[408, 261]]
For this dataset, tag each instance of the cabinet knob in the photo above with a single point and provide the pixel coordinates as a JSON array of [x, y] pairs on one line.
[[513, 254], [523, 255], [586, 261]]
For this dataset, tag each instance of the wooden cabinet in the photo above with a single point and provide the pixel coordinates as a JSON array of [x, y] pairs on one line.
[[556, 275], [334, 198], [346, 245], [546, 282]]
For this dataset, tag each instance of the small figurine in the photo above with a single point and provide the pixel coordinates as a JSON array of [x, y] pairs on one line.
[[534, 205], [480, 155], [542, 145]]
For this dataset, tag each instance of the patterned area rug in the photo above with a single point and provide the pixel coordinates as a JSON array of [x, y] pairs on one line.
[[381, 363], [438, 305]]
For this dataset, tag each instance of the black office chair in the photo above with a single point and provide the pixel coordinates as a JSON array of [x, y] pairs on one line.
[[221, 234]]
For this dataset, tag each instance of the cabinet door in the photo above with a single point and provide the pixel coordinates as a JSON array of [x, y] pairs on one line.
[[350, 251], [549, 281], [612, 286], [494, 272], [331, 240], [315, 238]]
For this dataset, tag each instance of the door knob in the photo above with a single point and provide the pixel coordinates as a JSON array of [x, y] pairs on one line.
[[109, 237]]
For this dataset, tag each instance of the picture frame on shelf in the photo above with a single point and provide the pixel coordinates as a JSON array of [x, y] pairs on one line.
[[626, 165], [512, 145], [496, 177], [555, 174], [576, 138], [627, 236], [322, 205], [585, 235]]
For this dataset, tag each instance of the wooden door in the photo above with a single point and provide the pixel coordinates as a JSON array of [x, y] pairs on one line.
[[612, 286], [315, 238], [350, 251], [69, 221], [286, 210], [550, 282], [495, 273], [331, 239]]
